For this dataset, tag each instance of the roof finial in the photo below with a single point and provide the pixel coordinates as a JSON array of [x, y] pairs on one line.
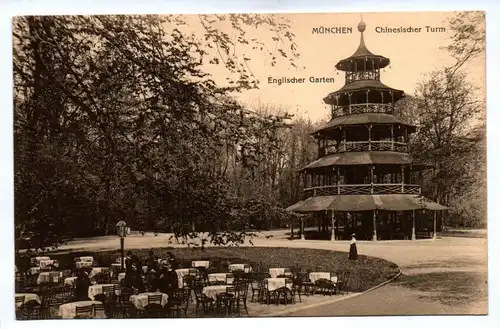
[[361, 25]]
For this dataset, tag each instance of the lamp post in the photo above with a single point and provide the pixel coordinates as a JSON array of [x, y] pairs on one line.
[[121, 230]]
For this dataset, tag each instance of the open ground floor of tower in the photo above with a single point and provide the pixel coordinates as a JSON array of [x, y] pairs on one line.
[[370, 225]]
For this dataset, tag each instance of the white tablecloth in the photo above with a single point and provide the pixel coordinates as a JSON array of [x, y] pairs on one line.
[[141, 300], [96, 289], [275, 283], [277, 271], [34, 270], [97, 270], [221, 277], [27, 298], [70, 280], [201, 263], [236, 267], [86, 259], [47, 262], [68, 311], [84, 264], [45, 277], [314, 276], [36, 260], [213, 291]]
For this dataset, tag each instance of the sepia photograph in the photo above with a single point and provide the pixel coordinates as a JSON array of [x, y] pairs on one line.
[[249, 165]]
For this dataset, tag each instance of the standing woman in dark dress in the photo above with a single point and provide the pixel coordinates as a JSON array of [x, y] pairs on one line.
[[353, 251]]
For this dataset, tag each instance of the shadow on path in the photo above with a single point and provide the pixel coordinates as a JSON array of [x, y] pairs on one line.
[[452, 288]]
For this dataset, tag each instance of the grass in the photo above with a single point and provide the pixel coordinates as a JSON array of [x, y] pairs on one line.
[[453, 288], [366, 272]]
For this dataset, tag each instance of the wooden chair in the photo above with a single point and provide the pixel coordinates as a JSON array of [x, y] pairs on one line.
[[342, 281], [226, 300], [20, 299], [20, 314], [98, 308], [229, 278], [179, 302], [257, 287], [297, 288], [154, 299], [241, 295], [124, 306], [203, 302], [154, 308], [84, 312], [108, 290]]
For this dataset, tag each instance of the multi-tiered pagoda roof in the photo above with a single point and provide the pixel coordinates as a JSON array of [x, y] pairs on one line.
[[363, 157]]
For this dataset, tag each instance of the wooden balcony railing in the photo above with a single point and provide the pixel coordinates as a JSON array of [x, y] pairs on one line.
[[363, 108], [365, 146], [346, 189]]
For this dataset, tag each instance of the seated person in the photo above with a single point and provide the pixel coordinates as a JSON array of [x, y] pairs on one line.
[[169, 281], [82, 284]]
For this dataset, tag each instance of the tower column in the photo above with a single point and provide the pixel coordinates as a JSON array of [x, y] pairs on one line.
[[302, 228], [344, 139], [392, 137], [434, 236], [413, 235], [371, 177], [402, 178], [332, 238], [369, 137], [374, 238]]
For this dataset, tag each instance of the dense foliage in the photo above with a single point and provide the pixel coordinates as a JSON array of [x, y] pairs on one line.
[[450, 113], [116, 120]]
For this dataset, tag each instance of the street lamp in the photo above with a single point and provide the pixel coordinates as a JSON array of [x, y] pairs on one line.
[[121, 230]]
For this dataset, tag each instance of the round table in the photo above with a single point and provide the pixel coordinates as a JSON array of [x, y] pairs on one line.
[[200, 263], [47, 262], [276, 283], [277, 271], [69, 281], [84, 264], [27, 298], [97, 270], [220, 277], [68, 311], [45, 276], [314, 276], [96, 289], [34, 270], [36, 260], [240, 267], [140, 301], [214, 291], [86, 259]]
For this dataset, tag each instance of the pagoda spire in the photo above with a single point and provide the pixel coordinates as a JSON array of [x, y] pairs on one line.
[[362, 50]]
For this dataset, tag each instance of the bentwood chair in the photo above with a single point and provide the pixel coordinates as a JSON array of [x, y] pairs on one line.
[[343, 281], [98, 308], [241, 295], [84, 312]]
